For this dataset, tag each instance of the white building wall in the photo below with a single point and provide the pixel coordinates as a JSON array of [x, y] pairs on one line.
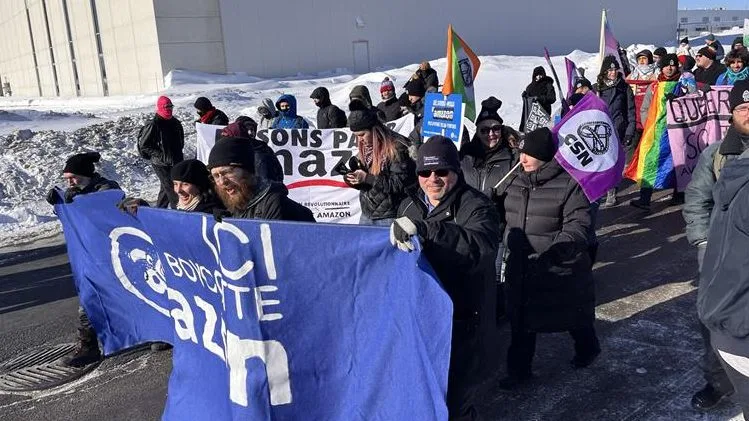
[[16, 60], [190, 35], [278, 38]]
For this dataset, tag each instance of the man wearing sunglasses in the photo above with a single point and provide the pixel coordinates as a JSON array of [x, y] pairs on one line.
[[708, 68], [458, 228], [161, 142]]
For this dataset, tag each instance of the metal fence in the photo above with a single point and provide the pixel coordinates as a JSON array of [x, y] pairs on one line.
[[690, 29]]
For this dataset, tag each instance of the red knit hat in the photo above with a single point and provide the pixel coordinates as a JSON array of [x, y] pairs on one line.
[[387, 85]]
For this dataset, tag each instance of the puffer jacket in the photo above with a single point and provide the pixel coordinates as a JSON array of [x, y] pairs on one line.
[[391, 108], [288, 119], [161, 141], [543, 90], [482, 169], [380, 195], [698, 196], [723, 295], [548, 272], [272, 202], [621, 105]]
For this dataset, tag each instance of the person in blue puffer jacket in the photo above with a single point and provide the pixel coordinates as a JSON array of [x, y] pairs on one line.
[[287, 118]]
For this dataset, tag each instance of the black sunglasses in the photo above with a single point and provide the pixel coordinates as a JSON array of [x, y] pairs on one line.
[[496, 128], [428, 173]]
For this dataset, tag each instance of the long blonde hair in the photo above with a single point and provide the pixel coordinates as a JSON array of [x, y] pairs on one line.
[[384, 149]]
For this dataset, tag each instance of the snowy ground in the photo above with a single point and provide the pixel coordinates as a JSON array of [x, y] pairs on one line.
[[38, 134]]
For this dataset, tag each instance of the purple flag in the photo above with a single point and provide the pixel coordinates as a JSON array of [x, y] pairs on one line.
[[589, 149], [571, 75]]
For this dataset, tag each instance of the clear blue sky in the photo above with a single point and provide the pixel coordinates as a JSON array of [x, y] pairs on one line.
[[701, 4]]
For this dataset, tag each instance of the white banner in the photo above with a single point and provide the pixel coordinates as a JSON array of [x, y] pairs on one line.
[[307, 158]]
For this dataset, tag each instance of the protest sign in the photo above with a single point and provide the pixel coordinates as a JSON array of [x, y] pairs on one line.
[[269, 319], [443, 115], [307, 157], [694, 122]]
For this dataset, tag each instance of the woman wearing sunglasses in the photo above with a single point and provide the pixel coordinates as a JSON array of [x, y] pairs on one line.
[[386, 168], [485, 160], [736, 62]]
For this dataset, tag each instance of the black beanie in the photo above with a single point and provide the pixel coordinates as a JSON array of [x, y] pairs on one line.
[[582, 81], [668, 60], [539, 144], [82, 164], [660, 52], [707, 52], [739, 94], [203, 104], [234, 151], [737, 40], [360, 120], [438, 153], [489, 109], [416, 87], [684, 40], [192, 171], [609, 62]]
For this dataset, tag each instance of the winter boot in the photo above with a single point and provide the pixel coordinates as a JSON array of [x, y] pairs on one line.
[[640, 204], [86, 351]]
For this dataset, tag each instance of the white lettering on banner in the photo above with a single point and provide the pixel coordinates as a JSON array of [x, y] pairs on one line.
[[590, 143], [308, 158], [231, 349]]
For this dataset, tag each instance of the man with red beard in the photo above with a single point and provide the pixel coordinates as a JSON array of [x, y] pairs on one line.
[[458, 228], [245, 195]]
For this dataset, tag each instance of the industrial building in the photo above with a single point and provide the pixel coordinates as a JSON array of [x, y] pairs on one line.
[[113, 47]]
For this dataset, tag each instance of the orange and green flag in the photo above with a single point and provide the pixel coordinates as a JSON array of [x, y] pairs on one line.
[[462, 67]]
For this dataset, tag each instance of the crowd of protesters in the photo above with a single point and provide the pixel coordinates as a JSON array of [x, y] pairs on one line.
[[516, 245]]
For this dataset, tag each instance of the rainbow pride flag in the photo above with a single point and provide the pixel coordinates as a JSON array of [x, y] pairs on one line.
[[652, 165]]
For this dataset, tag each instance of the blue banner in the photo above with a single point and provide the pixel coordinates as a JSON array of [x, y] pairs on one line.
[[269, 320], [443, 115]]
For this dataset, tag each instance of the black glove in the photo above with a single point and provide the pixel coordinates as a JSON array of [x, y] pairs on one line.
[[71, 193], [220, 214], [524, 94], [403, 229], [52, 197], [131, 204]]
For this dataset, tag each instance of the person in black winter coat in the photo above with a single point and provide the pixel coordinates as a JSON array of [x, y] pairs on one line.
[[361, 100], [210, 114], [161, 141], [416, 92], [245, 195], [81, 178], [708, 68], [390, 106], [542, 89], [328, 115], [192, 183], [549, 277], [458, 230], [620, 99], [386, 168], [266, 163], [485, 160]]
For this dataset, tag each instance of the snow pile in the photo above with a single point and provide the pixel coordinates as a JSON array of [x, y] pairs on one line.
[[32, 163]]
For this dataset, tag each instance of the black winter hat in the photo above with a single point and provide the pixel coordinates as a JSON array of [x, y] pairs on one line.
[[192, 171], [582, 81], [707, 52], [539, 144], [438, 153], [539, 71], [668, 60], [82, 164], [646, 53], [320, 93], [739, 94], [489, 108], [575, 98], [234, 151], [416, 87], [360, 120], [684, 40], [609, 62], [203, 104], [660, 52]]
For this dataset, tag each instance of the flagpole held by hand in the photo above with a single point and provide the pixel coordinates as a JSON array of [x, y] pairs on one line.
[[507, 175]]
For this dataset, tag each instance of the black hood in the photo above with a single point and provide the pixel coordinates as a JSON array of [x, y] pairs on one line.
[[321, 94]]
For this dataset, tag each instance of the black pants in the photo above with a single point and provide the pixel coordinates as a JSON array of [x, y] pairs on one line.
[[86, 332], [167, 196], [741, 386], [523, 347], [463, 378]]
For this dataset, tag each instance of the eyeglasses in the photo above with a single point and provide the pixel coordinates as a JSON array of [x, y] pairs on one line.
[[741, 110], [698, 55], [227, 173], [428, 173], [496, 129]]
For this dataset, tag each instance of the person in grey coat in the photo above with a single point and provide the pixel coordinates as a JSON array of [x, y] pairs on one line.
[[698, 208]]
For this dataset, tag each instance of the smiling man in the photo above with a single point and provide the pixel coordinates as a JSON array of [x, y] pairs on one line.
[[458, 228], [246, 195]]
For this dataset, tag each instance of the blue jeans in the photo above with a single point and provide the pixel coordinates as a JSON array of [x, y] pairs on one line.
[[384, 222]]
